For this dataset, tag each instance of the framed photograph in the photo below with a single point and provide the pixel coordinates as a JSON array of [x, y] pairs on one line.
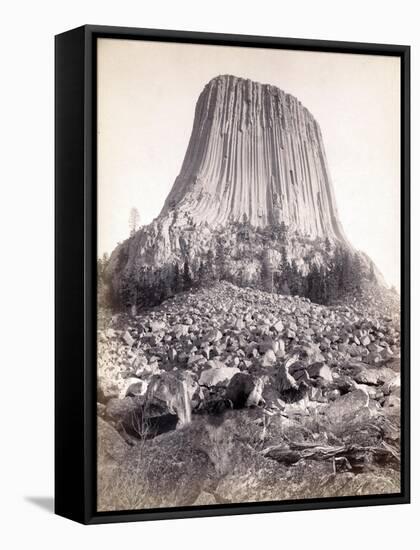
[[232, 274]]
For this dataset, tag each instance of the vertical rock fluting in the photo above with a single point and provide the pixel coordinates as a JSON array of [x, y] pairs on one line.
[[255, 156], [255, 152]]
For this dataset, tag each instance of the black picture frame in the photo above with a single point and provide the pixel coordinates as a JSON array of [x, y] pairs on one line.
[[75, 271]]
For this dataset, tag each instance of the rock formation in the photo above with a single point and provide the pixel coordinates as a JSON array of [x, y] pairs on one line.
[[280, 392], [254, 182], [255, 152]]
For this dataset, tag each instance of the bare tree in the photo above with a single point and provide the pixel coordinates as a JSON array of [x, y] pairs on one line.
[[133, 221]]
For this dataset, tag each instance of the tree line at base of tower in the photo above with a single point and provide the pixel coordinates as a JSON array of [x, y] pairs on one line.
[[342, 273]]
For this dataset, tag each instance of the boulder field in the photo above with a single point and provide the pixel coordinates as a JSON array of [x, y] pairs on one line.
[[232, 394]]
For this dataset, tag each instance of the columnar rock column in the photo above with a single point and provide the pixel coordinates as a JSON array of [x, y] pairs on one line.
[[255, 153]]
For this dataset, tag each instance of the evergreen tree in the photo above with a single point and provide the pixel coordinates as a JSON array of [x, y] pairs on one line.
[[220, 262], [314, 284], [147, 290], [303, 283], [327, 245], [209, 275], [176, 280], [332, 281], [356, 273], [126, 294], [202, 274], [266, 273], [285, 274], [102, 264], [166, 283], [133, 221], [102, 287], [282, 231], [284, 288], [323, 286], [344, 270], [295, 284], [158, 287], [186, 276], [104, 294]]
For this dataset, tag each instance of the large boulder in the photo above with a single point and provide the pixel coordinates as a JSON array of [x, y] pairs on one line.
[[168, 395], [365, 374], [269, 358], [157, 326], [107, 388], [180, 330], [309, 351], [348, 408], [321, 371], [289, 389], [244, 390], [128, 339], [133, 387], [278, 326], [193, 388], [213, 335], [217, 373], [111, 446], [127, 415]]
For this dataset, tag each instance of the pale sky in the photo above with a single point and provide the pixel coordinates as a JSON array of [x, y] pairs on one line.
[[147, 93]]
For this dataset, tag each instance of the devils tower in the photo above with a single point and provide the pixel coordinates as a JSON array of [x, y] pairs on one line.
[[243, 316], [254, 194], [257, 152]]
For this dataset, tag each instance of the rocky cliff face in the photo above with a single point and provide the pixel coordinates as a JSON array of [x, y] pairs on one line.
[[254, 181], [255, 153]]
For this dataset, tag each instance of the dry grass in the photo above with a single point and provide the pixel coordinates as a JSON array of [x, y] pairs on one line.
[[226, 461]]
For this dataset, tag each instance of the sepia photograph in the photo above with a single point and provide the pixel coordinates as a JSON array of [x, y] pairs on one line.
[[248, 275]]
